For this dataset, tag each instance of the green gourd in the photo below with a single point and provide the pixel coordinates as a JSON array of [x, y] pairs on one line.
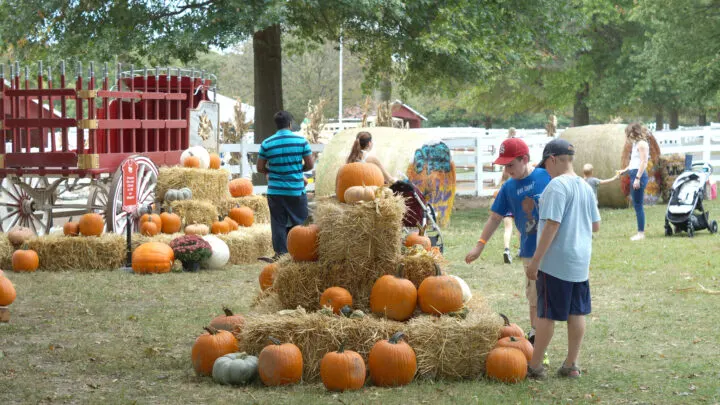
[[235, 369]]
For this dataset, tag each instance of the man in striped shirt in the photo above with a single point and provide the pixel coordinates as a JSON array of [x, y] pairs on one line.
[[284, 157]]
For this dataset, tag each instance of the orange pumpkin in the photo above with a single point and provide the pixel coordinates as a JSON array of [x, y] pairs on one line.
[[210, 346], [231, 224], [519, 343], [219, 227], [280, 364], [302, 243], [152, 218], [336, 298], [229, 321], [25, 260], [152, 257], [392, 362], [71, 228], [394, 297], [244, 216], [506, 364], [240, 188], [440, 294], [342, 370], [357, 174], [192, 162], [7, 291], [215, 161], [149, 228], [510, 329], [418, 238], [171, 222], [267, 276], [91, 225]]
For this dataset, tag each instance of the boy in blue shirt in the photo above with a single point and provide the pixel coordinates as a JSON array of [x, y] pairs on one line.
[[561, 263], [518, 196]]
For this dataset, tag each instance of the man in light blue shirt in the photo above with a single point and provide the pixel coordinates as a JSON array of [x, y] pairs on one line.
[[568, 217]]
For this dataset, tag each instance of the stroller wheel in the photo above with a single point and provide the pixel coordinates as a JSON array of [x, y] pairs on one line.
[[668, 230], [691, 231], [713, 227]]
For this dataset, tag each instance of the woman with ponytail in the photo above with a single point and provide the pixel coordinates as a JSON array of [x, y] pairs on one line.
[[361, 153]]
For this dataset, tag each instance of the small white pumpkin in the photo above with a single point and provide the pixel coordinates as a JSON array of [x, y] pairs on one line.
[[235, 369], [220, 253], [467, 294], [199, 152], [360, 193], [19, 235]]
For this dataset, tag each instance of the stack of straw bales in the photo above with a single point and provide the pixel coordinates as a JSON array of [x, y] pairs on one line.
[[257, 203], [248, 243], [195, 211]]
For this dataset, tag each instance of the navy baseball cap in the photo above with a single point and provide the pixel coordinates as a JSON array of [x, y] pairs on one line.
[[556, 147]]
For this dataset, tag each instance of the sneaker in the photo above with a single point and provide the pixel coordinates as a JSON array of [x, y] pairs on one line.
[[269, 259], [536, 374], [546, 360], [568, 372], [507, 257], [639, 236]]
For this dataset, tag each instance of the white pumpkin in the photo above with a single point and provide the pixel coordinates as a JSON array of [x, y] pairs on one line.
[[220, 253], [360, 193], [465, 289], [199, 152]]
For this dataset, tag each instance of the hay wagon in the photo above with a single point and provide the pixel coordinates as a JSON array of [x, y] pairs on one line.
[[57, 161]]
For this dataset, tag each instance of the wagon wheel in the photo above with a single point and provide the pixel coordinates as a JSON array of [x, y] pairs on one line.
[[27, 201], [117, 219]]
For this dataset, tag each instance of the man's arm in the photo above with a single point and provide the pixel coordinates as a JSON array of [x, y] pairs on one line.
[[308, 162], [262, 166], [546, 237]]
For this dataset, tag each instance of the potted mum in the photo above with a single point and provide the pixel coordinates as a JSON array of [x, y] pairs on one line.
[[191, 250]]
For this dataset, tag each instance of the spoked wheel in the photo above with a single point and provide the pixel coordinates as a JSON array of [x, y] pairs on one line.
[[115, 218], [27, 201]]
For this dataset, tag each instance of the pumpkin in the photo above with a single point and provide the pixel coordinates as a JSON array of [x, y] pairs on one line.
[[155, 218], [186, 193], [280, 364], [467, 294], [440, 294], [231, 224], [178, 195], [219, 227], [302, 242], [220, 253], [342, 370], [360, 193], [510, 329], [18, 235], [519, 343], [199, 152], [235, 369], [25, 259], [394, 297], [152, 257], [197, 229], [71, 228], [392, 362], [149, 228], [210, 346], [418, 238], [215, 161], [240, 187], [357, 174], [267, 276], [229, 321], [244, 216], [336, 298], [171, 222], [7, 291], [191, 161], [506, 364]]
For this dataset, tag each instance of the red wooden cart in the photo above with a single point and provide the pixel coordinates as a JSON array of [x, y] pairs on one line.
[[50, 160]]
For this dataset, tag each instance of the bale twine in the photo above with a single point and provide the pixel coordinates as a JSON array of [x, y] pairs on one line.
[[258, 203], [80, 253], [206, 184], [6, 251], [446, 347], [195, 211], [248, 243]]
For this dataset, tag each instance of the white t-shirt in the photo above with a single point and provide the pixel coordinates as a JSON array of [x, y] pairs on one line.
[[635, 156]]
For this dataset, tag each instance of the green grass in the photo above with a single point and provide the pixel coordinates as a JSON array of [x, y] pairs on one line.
[[115, 337]]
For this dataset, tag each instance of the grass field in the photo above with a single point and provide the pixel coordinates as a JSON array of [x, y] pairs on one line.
[[115, 337]]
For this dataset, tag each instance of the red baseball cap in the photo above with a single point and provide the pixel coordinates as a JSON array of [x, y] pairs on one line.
[[510, 149]]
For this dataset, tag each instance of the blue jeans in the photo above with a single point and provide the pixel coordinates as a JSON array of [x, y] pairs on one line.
[[285, 212], [638, 196]]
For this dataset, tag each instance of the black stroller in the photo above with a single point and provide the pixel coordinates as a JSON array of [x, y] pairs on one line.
[[685, 209], [419, 212]]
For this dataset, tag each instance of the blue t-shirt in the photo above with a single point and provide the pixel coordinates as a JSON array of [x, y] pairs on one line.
[[569, 200], [284, 152], [520, 198]]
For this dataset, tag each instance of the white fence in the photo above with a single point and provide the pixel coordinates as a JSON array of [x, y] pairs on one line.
[[474, 150]]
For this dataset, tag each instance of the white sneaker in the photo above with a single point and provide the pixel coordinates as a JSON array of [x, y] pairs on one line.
[[507, 257], [639, 236]]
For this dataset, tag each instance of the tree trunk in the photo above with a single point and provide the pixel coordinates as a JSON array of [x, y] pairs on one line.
[[488, 122], [702, 119], [674, 118], [659, 119], [267, 48], [385, 89], [581, 112]]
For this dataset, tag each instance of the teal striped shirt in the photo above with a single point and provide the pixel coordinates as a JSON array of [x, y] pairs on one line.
[[284, 152]]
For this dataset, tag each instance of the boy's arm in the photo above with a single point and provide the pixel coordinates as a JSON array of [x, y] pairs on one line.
[[546, 237], [488, 230], [611, 179]]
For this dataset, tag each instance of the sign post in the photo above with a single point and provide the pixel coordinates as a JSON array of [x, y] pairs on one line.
[[129, 175]]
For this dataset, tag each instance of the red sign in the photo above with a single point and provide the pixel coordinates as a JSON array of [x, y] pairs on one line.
[[129, 170]]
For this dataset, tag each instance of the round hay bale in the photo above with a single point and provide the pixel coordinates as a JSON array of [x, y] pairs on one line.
[[206, 184]]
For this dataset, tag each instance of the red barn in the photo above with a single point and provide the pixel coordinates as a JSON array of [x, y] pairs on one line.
[[410, 117]]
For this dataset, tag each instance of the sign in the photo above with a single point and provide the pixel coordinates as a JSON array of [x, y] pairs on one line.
[[129, 175], [204, 125]]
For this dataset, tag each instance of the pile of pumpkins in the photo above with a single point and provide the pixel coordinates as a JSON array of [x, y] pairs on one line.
[[508, 361], [391, 362], [198, 157], [23, 258]]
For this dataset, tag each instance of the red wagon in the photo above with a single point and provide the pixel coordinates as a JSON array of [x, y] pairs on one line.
[[57, 161]]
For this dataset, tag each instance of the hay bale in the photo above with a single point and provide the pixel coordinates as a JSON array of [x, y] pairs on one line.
[[420, 266], [248, 243], [206, 184], [6, 251], [139, 239], [266, 302], [257, 203], [195, 211], [80, 253], [446, 347]]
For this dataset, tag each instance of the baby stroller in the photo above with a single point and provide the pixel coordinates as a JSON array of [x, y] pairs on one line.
[[419, 212], [687, 195]]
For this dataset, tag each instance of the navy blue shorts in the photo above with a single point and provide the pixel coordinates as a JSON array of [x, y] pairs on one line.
[[557, 299]]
